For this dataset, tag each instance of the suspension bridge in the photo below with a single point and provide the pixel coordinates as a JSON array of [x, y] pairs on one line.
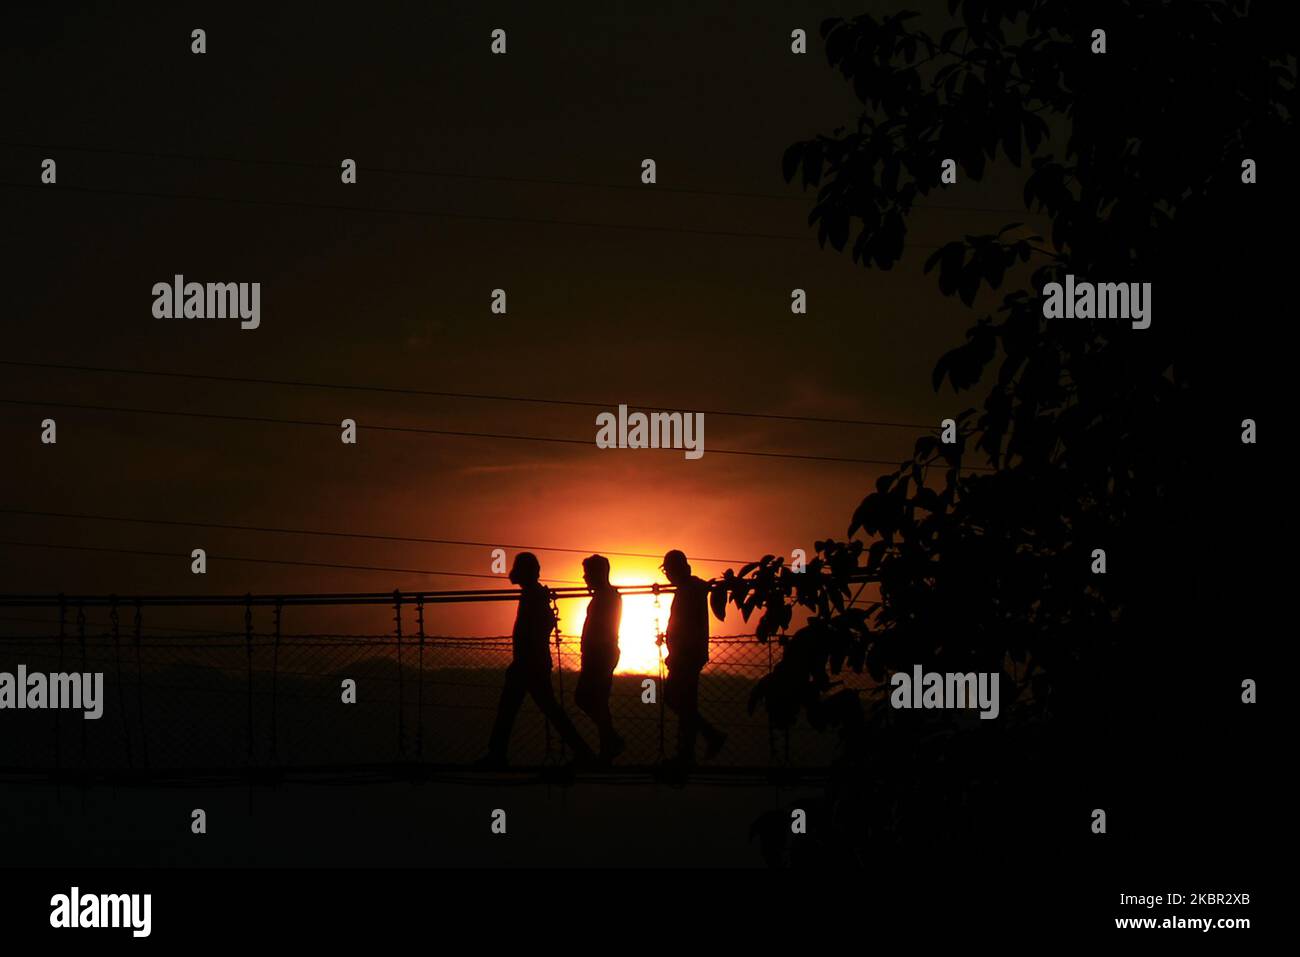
[[253, 699]]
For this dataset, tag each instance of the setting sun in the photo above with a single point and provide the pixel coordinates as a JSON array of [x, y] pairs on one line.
[[636, 638], [638, 653]]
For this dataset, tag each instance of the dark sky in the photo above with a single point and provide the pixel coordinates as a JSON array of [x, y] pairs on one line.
[[657, 316]]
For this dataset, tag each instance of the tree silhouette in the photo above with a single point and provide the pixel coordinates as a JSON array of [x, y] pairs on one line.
[[1098, 435]]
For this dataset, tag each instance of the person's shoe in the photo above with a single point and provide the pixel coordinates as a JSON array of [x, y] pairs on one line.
[[585, 761], [673, 771], [713, 745], [615, 747], [490, 762], [560, 775]]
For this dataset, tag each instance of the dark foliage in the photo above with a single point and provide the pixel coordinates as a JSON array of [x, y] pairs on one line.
[[1099, 435]]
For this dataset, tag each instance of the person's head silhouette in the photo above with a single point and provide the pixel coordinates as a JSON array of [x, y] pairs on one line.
[[676, 567], [526, 570], [595, 571]]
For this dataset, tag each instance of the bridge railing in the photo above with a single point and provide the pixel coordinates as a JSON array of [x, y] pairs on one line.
[[193, 701]]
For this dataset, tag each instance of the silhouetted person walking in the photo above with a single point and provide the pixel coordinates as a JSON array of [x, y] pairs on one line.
[[600, 653], [688, 652], [529, 672]]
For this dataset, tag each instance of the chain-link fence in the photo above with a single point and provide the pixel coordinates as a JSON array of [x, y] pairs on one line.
[[219, 701]]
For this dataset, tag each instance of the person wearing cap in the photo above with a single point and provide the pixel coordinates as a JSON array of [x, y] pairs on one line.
[[688, 652], [600, 654], [529, 672]]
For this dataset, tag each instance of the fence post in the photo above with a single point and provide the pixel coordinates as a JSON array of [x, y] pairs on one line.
[[275, 680], [115, 625], [771, 727], [559, 670], [58, 748], [81, 638], [401, 695], [659, 649], [419, 695], [139, 686], [248, 640]]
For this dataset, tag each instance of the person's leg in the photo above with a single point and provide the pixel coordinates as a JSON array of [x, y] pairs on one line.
[[512, 696], [610, 742], [584, 694], [713, 736], [539, 686], [694, 723], [687, 696]]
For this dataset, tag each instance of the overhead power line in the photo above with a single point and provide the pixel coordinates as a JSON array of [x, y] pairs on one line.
[[362, 535], [430, 213], [588, 443], [432, 393], [458, 597], [484, 177], [266, 561]]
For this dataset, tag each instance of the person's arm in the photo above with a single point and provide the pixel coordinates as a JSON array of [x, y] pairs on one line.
[[536, 617], [545, 617]]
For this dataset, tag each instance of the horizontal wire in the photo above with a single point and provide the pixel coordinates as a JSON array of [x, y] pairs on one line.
[[430, 213], [334, 534], [445, 432], [166, 629], [455, 395], [320, 599], [264, 561], [200, 638], [442, 174]]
